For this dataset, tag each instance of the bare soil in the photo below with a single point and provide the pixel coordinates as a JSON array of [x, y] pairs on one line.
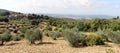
[[51, 46]]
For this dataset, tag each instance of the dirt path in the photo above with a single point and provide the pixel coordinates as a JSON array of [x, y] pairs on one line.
[[50, 46]]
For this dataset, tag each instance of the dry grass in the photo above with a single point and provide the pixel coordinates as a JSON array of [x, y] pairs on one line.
[[51, 46], [89, 33]]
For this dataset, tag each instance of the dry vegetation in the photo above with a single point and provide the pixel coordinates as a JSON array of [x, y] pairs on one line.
[[43, 34], [51, 46], [56, 46]]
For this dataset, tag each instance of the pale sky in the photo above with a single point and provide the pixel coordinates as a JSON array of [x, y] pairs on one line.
[[77, 7]]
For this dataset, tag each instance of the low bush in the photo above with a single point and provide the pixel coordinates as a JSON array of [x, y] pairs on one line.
[[49, 28], [82, 39], [60, 29], [32, 35], [37, 34], [15, 38], [75, 29], [46, 33], [111, 36], [34, 22], [56, 35], [24, 29], [21, 35], [4, 18], [114, 37], [74, 38], [94, 40], [5, 37], [29, 36]]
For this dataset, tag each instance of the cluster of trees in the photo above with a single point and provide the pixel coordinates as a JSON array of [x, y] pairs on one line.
[[61, 23], [87, 25], [31, 35], [4, 12], [83, 25], [98, 24], [3, 15], [33, 19], [75, 38], [35, 16], [4, 19]]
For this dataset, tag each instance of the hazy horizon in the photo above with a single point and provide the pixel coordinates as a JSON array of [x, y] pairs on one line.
[[73, 7]]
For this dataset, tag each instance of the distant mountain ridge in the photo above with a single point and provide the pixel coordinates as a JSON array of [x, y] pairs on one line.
[[81, 16]]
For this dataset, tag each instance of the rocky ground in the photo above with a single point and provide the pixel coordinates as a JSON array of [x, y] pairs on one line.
[[51, 46]]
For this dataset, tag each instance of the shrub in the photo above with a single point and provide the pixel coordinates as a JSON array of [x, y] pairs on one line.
[[104, 34], [46, 33], [82, 39], [56, 34], [16, 38], [34, 22], [33, 35], [29, 36], [49, 28], [5, 37], [74, 38], [71, 37], [114, 37], [4, 18], [23, 30], [94, 40], [109, 35], [38, 34], [60, 29], [21, 35], [75, 29]]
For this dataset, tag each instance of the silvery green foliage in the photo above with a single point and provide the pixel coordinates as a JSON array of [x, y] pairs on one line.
[[33, 34], [56, 34], [74, 38], [110, 35], [4, 37]]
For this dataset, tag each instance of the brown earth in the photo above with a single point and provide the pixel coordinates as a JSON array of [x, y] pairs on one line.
[[51, 46]]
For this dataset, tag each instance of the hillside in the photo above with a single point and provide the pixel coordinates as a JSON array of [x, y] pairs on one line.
[[4, 12]]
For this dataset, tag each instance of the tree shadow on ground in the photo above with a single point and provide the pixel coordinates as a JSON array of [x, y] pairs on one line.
[[60, 39], [45, 43], [11, 44]]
